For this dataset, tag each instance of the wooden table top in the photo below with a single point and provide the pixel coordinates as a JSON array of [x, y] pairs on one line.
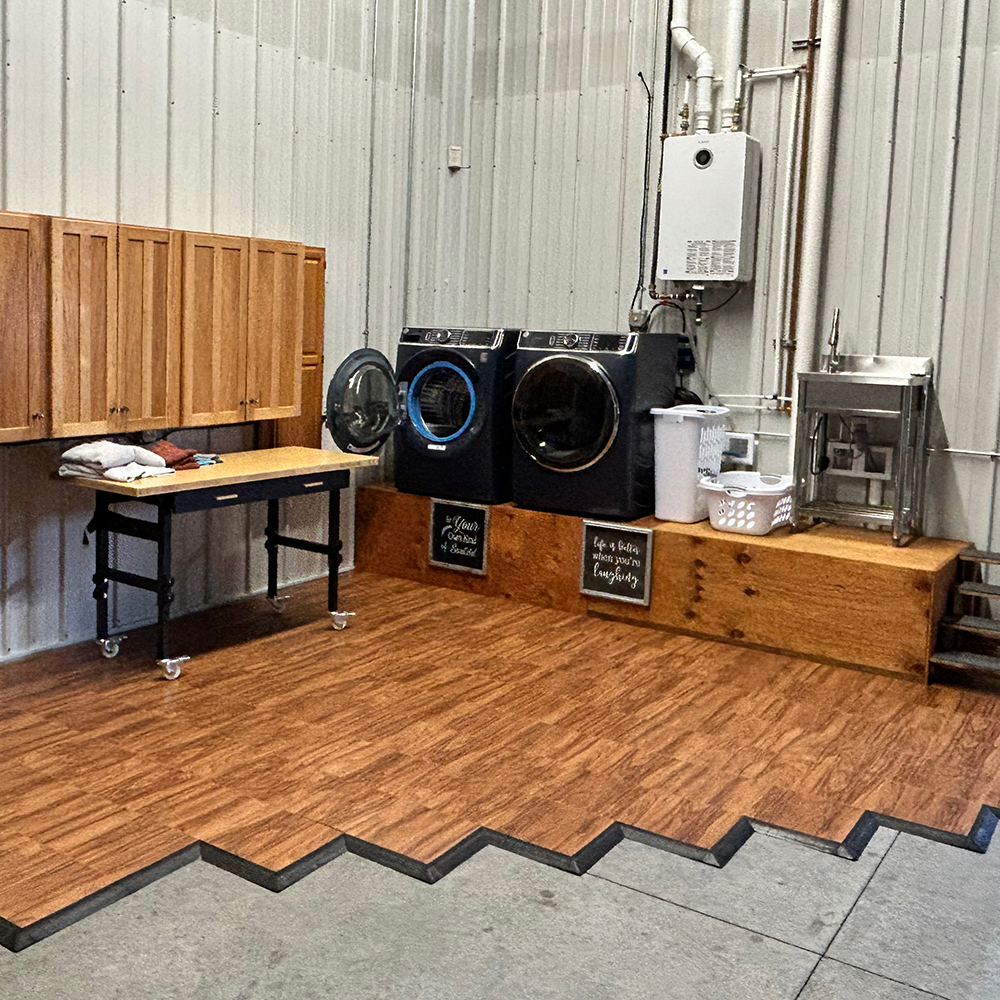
[[237, 467]]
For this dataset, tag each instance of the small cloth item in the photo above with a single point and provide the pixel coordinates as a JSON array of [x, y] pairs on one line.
[[208, 458], [176, 458], [132, 471], [100, 455]]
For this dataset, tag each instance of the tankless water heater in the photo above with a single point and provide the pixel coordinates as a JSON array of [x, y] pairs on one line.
[[708, 207]]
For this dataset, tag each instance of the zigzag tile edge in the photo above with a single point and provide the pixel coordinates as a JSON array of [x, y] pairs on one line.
[[16, 938]]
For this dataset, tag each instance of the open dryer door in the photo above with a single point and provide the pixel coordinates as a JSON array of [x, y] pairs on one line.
[[362, 402]]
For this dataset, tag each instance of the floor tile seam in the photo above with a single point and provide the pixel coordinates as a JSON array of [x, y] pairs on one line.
[[808, 979], [709, 916], [888, 979], [857, 898]]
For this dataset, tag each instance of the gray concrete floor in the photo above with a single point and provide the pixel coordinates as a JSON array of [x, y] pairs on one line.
[[910, 920]]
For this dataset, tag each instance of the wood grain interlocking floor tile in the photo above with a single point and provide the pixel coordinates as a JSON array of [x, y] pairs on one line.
[[440, 712]]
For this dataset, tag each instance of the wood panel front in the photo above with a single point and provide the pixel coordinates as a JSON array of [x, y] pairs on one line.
[[214, 330], [307, 428], [275, 324], [84, 290], [149, 328], [837, 594], [24, 320]]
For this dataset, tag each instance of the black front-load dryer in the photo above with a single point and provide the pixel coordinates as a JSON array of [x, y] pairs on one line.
[[448, 404], [582, 427]]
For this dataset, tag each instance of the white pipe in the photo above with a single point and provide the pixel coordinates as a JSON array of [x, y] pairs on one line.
[[732, 73], [781, 334], [817, 187], [704, 69]]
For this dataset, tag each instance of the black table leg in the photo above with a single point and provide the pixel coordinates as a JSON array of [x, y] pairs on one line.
[[271, 544], [334, 545], [102, 551], [164, 581]]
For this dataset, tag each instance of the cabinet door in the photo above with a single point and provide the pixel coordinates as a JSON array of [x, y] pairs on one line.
[[214, 330], [149, 328], [306, 430], [24, 318], [274, 359], [84, 328]]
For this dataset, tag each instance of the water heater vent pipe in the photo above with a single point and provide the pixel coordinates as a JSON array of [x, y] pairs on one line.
[[732, 65], [704, 73]]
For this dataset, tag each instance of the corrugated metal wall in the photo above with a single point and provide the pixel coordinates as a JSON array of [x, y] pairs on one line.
[[256, 116], [241, 116], [542, 228]]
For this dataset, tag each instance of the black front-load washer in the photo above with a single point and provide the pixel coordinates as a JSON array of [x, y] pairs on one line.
[[582, 426], [448, 403]]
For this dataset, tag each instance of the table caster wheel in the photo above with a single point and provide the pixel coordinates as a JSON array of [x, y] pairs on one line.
[[110, 647], [338, 619], [172, 666], [278, 603]]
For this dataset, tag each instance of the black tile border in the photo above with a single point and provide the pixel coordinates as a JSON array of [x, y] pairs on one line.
[[15, 938]]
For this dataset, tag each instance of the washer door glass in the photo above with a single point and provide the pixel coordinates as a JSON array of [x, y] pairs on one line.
[[362, 402], [441, 402], [565, 412]]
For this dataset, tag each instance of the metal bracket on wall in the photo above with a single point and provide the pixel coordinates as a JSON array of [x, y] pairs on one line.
[[805, 43]]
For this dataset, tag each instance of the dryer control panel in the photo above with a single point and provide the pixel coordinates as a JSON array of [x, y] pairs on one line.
[[604, 343], [479, 339]]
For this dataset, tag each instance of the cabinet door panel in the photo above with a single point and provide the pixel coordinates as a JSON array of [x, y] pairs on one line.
[[84, 328], [149, 327], [274, 362], [306, 430], [214, 330], [24, 317]]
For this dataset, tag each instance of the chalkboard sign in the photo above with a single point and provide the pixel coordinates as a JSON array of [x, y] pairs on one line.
[[616, 562], [459, 536]]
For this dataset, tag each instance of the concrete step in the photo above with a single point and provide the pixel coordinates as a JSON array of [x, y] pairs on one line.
[[977, 626], [958, 660]]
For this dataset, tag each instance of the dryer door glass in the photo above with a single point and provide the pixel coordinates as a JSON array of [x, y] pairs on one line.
[[565, 412], [362, 402], [441, 401]]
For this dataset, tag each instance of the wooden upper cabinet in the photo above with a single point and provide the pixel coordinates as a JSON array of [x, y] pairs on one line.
[[214, 330], [274, 353], [149, 328], [306, 430], [84, 290], [24, 313]]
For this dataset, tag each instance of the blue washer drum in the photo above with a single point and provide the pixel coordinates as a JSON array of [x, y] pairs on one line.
[[413, 404]]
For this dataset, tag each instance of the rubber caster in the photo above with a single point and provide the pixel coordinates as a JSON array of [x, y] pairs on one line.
[[172, 666], [278, 603], [338, 619], [110, 647]]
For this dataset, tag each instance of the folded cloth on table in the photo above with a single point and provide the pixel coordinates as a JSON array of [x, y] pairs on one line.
[[173, 456], [189, 463], [207, 458], [132, 471], [85, 471], [102, 455]]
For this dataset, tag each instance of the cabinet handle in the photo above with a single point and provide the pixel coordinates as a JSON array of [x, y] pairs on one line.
[[243, 402], [228, 496], [113, 409], [123, 409], [254, 402], [37, 416], [309, 486]]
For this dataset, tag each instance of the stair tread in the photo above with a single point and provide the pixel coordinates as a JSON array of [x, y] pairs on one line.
[[978, 555], [972, 623], [977, 589], [957, 658]]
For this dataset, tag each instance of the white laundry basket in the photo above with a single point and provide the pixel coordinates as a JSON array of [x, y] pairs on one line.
[[748, 503], [689, 442]]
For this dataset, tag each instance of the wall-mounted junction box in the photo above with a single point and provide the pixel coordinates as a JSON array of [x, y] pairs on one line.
[[708, 207]]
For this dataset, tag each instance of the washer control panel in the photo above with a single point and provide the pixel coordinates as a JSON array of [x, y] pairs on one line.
[[478, 339], [604, 343]]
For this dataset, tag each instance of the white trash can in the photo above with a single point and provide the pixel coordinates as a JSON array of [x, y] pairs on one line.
[[689, 441]]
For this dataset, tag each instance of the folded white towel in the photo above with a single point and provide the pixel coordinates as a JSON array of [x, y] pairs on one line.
[[108, 455], [127, 473], [85, 471]]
